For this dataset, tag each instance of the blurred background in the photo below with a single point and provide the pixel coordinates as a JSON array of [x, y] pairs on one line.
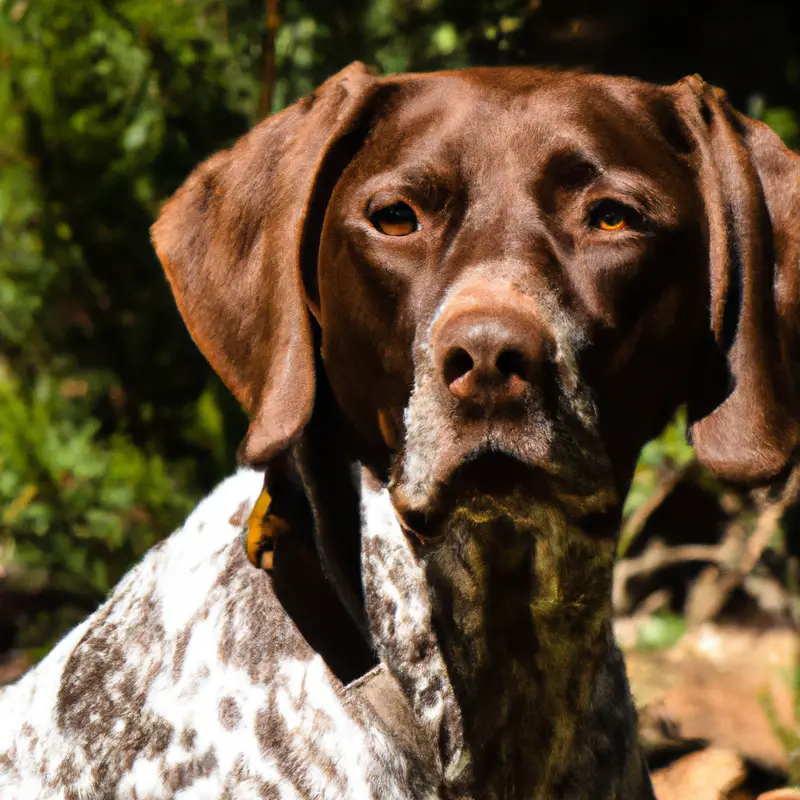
[[112, 425]]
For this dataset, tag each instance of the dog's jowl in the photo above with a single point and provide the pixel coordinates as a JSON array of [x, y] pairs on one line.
[[455, 307]]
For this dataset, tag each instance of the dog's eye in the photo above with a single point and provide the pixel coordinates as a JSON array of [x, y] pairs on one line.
[[396, 220], [608, 215]]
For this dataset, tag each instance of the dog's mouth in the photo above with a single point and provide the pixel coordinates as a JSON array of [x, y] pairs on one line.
[[494, 483]]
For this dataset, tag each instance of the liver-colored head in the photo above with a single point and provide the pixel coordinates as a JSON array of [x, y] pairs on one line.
[[515, 267]]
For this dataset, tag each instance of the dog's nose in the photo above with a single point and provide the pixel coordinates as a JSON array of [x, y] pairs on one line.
[[490, 357]]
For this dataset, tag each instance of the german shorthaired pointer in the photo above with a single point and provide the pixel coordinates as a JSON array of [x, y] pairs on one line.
[[455, 307]]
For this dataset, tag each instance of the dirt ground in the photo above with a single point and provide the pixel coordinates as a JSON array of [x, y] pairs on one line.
[[703, 715]]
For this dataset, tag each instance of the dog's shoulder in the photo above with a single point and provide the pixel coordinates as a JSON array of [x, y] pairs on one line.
[[149, 646], [144, 604], [191, 677]]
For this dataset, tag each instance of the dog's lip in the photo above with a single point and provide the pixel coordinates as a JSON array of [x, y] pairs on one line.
[[476, 474], [595, 510], [420, 525], [427, 527]]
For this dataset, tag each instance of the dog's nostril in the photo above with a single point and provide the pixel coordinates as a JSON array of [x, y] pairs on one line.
[[457, 364], [511, 362]]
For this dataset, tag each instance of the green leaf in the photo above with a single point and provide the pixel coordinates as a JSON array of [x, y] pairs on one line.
[[660, 631], [445, 38]]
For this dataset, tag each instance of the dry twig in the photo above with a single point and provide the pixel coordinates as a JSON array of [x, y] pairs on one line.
[[712, 588]]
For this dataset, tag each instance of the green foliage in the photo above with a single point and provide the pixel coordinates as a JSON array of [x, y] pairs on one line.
[[111, 425], [660, 631], [78, 507], [669, 452]]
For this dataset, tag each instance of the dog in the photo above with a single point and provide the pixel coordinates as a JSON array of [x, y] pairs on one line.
[[455, 307]]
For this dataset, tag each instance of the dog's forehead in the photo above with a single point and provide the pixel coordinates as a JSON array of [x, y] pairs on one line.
[[469, 116]]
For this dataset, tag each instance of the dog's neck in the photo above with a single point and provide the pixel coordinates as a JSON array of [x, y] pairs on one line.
[[502, 642]]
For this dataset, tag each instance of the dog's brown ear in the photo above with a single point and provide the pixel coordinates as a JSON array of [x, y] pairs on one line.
[[231, 241], [750, 187]]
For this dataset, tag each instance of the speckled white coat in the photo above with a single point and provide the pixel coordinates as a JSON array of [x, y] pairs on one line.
[[191, 682]]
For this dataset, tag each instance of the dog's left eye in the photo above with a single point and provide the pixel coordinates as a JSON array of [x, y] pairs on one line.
[[611, 216], [398, 219]]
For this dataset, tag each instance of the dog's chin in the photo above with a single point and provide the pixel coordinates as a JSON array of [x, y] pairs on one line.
[[490, 486]]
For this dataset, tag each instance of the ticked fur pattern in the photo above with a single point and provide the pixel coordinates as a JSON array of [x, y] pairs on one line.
[[191, 682], [498, 626]]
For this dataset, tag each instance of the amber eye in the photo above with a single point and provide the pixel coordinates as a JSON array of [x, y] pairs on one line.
[[611, 216], [396, 220]]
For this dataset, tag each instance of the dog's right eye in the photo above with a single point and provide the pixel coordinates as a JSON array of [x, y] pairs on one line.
[[397, 219]]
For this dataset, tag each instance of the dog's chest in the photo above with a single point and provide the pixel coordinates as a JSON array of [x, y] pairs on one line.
[[522, 696]]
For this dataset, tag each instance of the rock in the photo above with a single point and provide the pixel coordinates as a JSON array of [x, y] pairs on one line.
[[709, 774]]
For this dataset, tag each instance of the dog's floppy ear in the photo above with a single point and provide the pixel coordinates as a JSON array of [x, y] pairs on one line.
[[747, 422], [231, 240]]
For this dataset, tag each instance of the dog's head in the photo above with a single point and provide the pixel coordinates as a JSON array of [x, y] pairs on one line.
[[513, 278]]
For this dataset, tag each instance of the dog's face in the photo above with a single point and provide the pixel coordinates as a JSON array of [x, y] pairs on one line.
[[512, 270], [517, 276]]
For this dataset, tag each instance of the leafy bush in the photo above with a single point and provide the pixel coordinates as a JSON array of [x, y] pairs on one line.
[[78, 507], [111, 425]]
